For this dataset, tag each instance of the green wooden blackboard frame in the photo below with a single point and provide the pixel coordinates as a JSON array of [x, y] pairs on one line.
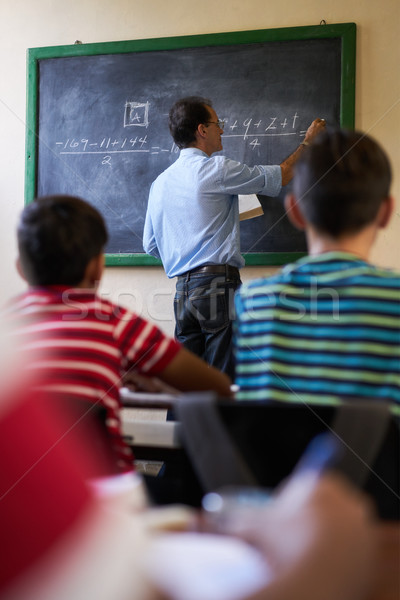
[[346, 32]]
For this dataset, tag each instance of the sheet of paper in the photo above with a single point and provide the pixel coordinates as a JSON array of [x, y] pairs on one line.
[[249, 207], [197, 566]]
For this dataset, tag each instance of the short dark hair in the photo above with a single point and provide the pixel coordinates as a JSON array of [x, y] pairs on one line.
[[341, 180], [57, 238], [184, 118]]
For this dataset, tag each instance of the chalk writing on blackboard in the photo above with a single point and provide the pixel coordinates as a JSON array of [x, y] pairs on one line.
[[136, 114], [98, 118], [251, 130]]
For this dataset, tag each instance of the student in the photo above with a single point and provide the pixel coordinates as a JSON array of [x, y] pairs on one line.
[[327, 327], [78, 344], [192, 224]]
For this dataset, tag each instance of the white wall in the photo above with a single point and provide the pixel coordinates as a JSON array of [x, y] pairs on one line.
[[35, 23]]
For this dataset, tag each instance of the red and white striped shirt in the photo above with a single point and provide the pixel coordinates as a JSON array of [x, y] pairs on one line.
[[78, 345]]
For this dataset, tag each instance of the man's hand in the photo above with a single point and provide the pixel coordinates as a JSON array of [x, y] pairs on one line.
[[287, 165], [315, 128]]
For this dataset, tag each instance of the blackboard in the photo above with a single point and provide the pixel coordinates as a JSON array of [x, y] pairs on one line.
[[98, 119]]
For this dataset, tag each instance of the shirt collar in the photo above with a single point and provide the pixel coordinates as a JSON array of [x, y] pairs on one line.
[[332, 255], [319, 259], [191, 151], [60, 289]]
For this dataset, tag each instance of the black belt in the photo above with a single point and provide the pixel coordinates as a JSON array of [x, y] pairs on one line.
[[227, 270]]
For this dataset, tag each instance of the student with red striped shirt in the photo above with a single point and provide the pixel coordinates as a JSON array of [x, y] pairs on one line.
[[77, 344]]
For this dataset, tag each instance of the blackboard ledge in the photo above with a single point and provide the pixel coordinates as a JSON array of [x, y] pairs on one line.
[[131, 260], [271, 259]]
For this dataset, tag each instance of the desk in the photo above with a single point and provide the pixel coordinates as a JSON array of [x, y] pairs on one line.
[[154, 440], [170, 575], [145, 426], [150, 429], [146, 400], [156, 443]]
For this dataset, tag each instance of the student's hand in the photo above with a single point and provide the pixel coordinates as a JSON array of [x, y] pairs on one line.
[[328, 513], [189, 373], [315, 128], [317, 536]]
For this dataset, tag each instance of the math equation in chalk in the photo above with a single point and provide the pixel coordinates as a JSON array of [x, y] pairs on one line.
[[137, 118]]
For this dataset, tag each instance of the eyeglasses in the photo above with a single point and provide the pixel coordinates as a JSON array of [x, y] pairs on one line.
[[221, 124]]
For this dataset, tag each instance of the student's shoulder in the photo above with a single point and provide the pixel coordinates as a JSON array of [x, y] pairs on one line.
[[261, 285], [29, 300], [375, 277], [385, 273], [271, 285], [114, 312], [126, 322]]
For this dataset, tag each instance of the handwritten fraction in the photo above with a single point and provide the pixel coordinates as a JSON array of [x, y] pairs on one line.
[[136, 114]]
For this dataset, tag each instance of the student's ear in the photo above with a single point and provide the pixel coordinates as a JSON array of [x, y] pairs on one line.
[[385, 212], [20, 268], [94, 270], [293, 212]]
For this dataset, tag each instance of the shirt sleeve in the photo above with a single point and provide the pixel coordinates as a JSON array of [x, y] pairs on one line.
[[149, 240], [144, 347], [238, 178]]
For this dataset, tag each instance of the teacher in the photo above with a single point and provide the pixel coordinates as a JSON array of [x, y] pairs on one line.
[[192, 225]]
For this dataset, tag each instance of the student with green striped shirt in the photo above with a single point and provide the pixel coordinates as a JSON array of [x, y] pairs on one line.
[[328, 326]]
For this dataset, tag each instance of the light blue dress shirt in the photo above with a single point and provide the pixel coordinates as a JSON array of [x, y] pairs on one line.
[[192, 216]]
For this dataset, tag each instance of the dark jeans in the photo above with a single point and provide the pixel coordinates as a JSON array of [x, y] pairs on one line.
[[204, 310]]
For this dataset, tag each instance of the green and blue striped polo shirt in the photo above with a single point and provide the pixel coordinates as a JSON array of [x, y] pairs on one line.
[[323, 329]]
